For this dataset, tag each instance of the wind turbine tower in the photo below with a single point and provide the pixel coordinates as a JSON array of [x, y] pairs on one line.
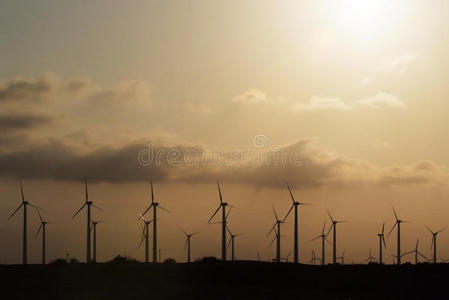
[[24, 243]]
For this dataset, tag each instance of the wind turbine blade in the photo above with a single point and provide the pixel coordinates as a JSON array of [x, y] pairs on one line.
[[315, 238], [325, 238], [163, 208], [214, 213], [271, 243], [21, 204], [276, 216], [330, 229], [291, 207], [21, 192], [329, 215], [272, 228], [32, 205], [79, 210], [185, 233], [383, 228], [194, 233], [38, 230], [291, 194], [392, 229], [146, 210], [185, 245], [40, 217], [324, 226], [394, 211], [383, 240], [429, 229], [152, 194], [229, 211], [440, 230], [227, 228], [87, 194], [219, 192], [141, 217], [229, 243], [97, 207]]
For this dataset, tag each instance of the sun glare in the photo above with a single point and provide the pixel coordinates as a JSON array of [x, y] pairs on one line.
[[365, 19]]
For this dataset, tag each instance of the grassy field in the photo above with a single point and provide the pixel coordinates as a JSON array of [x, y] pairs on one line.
[[230, 280]]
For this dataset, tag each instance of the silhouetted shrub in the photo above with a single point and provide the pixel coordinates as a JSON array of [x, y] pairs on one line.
[[73, 260], [169, 261], [58, 261], [122, 259], [207, 259]]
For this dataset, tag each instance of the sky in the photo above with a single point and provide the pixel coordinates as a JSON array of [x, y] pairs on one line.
[[345, 100]]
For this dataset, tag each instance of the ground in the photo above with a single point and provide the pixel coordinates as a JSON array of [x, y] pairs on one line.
[[230, 280]]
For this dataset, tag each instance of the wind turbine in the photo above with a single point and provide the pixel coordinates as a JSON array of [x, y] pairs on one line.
[[434, 243], [398, 223], [314, 258], [334, 226], [417, 253], [187, 244], [94, 228], [277, 224], [154, 205], [342, 257], [381, 242], [24, 204], [221, 206], [295, 205], [145, 236], [231, 242], [43, 227], [88, 203], [370, 258], [323, 238]]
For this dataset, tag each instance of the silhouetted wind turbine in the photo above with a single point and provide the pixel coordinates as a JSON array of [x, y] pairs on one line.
[[24, 204], [334, 226], [187, 244], [231, 242], [434, 243], [416, 252], [295, 205], [398, 223], [278, 235], [342, 257], [381, 242], [43, 227], [221, 206], [94, 228], [370, 258], [323, 238], [154, 205], [88, 203], [145, 236], [314, 258]]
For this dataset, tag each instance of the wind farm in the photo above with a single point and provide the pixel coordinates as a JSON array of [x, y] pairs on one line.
[[245, 149]]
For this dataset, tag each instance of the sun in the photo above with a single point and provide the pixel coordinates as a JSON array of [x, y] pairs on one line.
[[364, 19]]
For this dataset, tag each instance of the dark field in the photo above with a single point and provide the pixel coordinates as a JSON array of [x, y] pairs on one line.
[[239, 280]]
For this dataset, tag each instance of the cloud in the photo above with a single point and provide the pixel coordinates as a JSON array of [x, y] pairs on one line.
[[313, 167], [382, 99], [252, 96], [27, 88], [322, 103], [398, 63], [12, 122]]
